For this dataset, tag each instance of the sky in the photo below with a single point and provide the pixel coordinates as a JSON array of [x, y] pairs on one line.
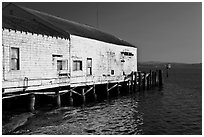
[[165, 32]]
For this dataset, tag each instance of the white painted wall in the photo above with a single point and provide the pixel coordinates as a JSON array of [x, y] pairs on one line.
[[105, 57], [35, 51]]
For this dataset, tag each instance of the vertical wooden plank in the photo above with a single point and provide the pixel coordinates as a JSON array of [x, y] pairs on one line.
[[32, 102]]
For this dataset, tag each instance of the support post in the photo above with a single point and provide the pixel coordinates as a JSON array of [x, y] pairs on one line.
[[160, 78], [58, 99], [71, 101], [118, 89], [139, 81], [144, 81], [83, 97], [157, 78], [131, 81], [128, 86], [135, 81], [94, 92], [150, 79], [32, 102], [147, 82], [107, 92]]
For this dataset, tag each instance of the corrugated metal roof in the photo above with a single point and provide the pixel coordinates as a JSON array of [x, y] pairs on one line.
[[71, 27], [16, 23]]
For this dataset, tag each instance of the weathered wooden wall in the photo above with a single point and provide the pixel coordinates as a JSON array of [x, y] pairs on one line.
[[36, 57], [105, 57]]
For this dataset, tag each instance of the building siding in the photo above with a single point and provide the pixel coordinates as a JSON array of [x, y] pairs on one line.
[[35, 54]]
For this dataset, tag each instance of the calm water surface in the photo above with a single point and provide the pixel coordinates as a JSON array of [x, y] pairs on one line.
[[175, 109]]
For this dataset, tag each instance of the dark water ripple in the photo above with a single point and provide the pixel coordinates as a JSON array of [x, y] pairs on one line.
[[175, 109]]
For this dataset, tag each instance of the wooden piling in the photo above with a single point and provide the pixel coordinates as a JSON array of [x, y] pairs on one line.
[[144, 81], [155, 78], [71, 101], [83, 96], [107, 92], [139, 81], [135, 81], [32, 102], [160, 78], [118, 89], [150, 79], [94, 93], [147, 82], [131, 81], [128, 86], [58, 99]]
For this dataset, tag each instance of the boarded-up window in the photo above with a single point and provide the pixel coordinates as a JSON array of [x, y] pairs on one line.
[[89, 66], [15, 59], [77, 65], [62, 65]]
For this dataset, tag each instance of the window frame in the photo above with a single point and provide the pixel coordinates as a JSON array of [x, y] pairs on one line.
[[63, 65], [17, 59], [77, 65], [89, 67]]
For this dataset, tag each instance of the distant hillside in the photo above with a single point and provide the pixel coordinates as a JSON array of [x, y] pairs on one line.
[[162, 65]]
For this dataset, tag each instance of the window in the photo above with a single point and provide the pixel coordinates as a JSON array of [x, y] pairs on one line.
[[112, 72], [89, 66], [62, 65], [77, 65], [15, 59]]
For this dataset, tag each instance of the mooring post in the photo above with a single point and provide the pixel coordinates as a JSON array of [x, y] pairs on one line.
[[71, 101], [160, 78], [32, 102], [58, 99], [83, 96], [139, 81], [94, 92]]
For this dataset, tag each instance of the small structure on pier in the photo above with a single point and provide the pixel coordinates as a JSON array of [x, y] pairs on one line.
[[42, 51]]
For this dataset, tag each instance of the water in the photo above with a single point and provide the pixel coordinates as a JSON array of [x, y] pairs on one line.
[[175, 109]]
